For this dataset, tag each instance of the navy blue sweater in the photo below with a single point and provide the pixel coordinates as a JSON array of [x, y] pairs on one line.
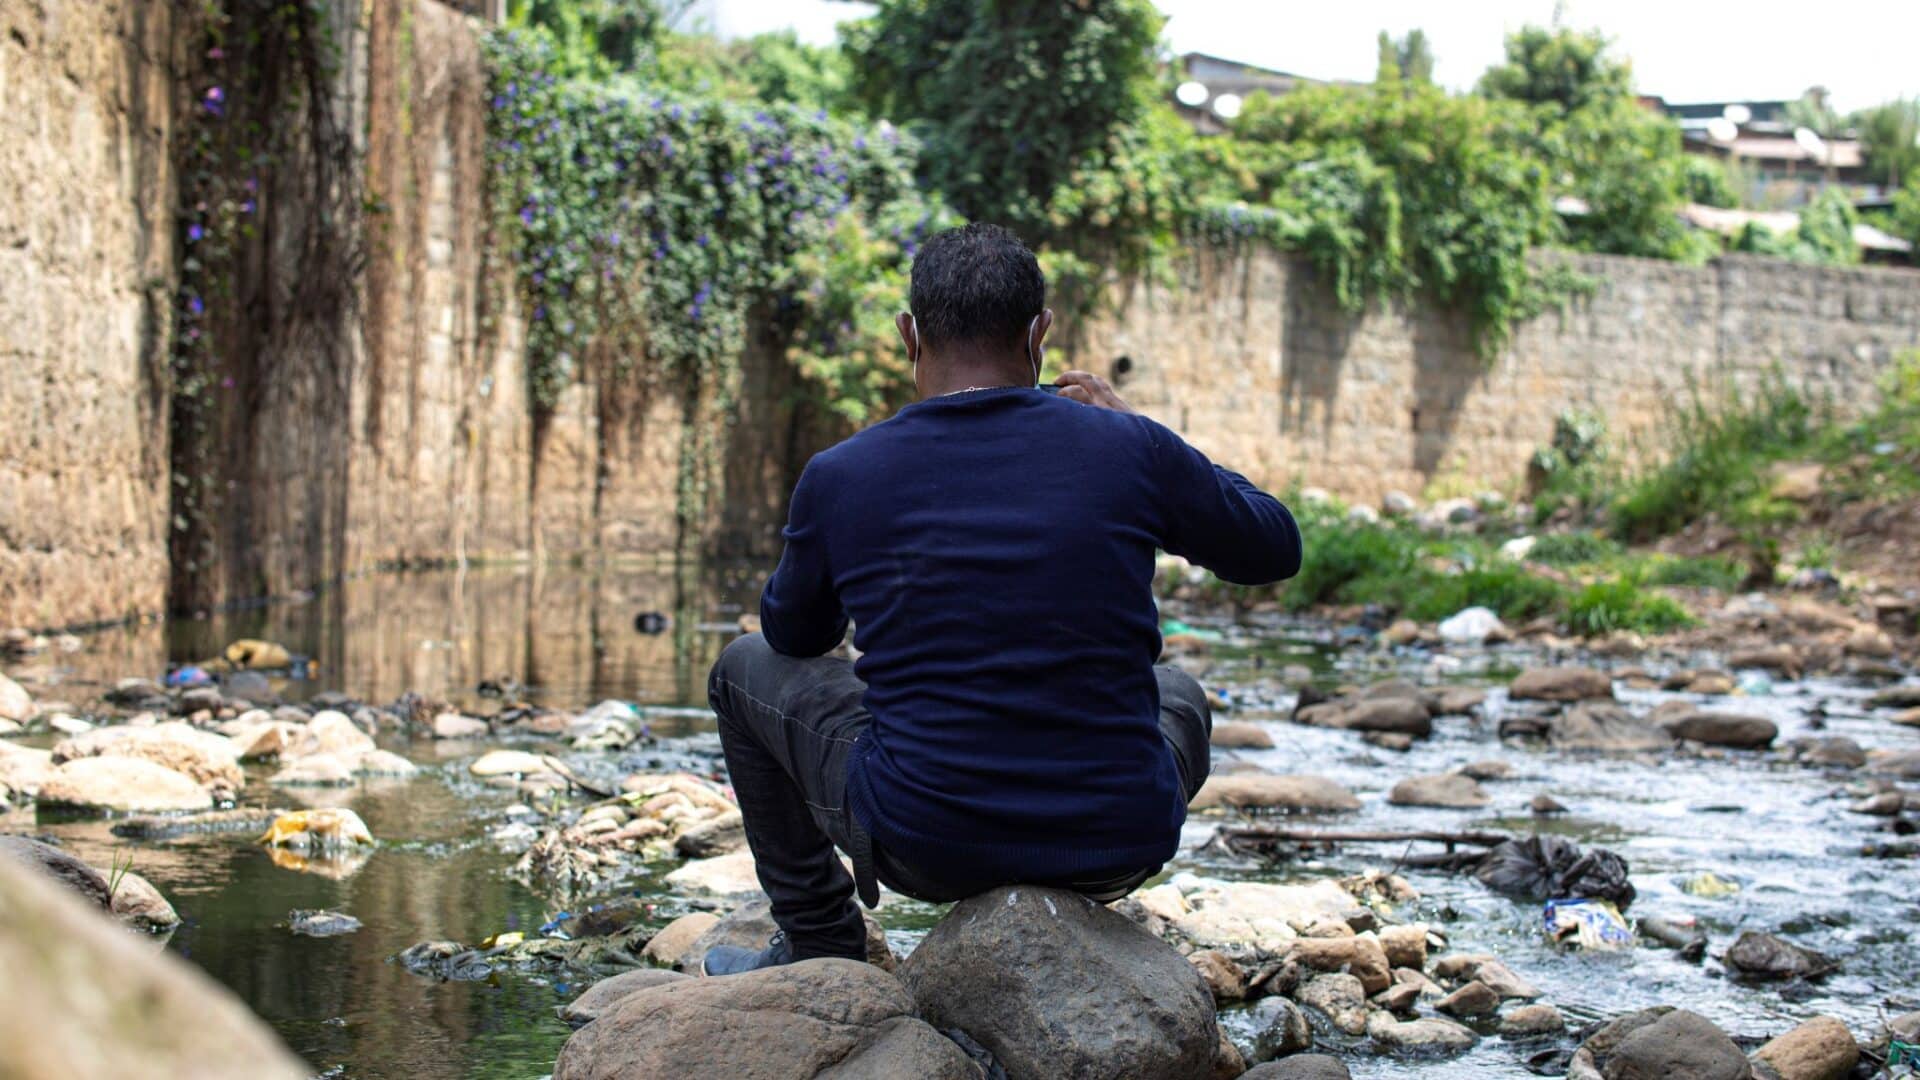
[[995, 549]]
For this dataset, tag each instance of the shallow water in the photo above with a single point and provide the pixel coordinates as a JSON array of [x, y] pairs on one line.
[[1780, 831]]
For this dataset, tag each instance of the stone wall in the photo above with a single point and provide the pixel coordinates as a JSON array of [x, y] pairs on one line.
[[86, 257], [1251, 358]]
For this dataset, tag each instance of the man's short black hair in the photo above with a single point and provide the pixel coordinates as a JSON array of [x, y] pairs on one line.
[[976, 284]]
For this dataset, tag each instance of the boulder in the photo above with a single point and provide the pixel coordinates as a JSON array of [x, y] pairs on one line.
[[1260, 792], [751, 926], [674, 939], [601, 996], [1453, 791], [1562, 684], [1285, 1030], [105, 1004], [1405, 946], [1472, 999], [1340, 998], [1228, 1061], [1391, 715], [1222, 913], [722, 875], [1529, 1021], [1300, 1067], [1429, 1035], [212, 760], [1765, 957], [15, 703], [79, 877], [123, 784], [1725, 729], [1457, 700], [1662, 1044], [1906, 696], [818, 1018], [1834, 751], [330, 732], [138, 904], [715, 836], [1820, 1049], [385, 763], [24, 768], [1042, 978], [315, 770], [1235, 736], [452, 725], [1605, 729]]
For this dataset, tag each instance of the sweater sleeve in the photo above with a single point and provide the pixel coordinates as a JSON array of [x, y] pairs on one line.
[[1218, 519], [800, 612]]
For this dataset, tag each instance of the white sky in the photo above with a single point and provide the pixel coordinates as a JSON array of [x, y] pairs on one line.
[[1683, 50]]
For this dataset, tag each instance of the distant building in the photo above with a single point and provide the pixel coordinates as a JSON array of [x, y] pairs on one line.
[[1225, 85], [1778, 166]]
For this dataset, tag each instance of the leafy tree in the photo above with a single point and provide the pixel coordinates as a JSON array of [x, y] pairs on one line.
[[781, 67], [1890, 139], [1906, 214], [1826, 229], [1814, 111], [1709, 183], [1601, 146], [596, 37], [1409, 58], [1010, 98]]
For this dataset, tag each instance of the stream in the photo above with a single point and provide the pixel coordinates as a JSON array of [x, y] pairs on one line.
[[1781, 832]]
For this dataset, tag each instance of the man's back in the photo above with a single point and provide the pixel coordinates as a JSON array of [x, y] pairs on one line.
[[994, 549]]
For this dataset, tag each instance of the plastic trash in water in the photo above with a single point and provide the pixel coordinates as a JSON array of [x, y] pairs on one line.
[[1591, 924], [1754, 684], [1709, 886], [1177, 628], [187, 676], [1472, 626], [1903, 1053]]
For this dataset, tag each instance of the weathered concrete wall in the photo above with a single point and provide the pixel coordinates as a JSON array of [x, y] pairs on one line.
[[1250, 357], [86, 256]]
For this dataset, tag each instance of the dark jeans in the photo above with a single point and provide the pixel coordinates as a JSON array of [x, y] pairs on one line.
[[788, 725]]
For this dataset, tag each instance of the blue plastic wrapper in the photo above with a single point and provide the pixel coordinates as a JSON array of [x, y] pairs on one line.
[[188, 676], [1591, 924]]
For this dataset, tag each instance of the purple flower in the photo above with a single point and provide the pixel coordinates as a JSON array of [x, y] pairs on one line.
[[860, 142], [500, 101], [226, 382], [727, 178], [195, 233], [701, 240], [526, 215], [540, 312], [216, 53], [195, 305], [247, 207], [216, 95], [786, 155]]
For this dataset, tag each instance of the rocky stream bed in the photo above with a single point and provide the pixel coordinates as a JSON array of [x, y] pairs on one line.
[[422, 884]]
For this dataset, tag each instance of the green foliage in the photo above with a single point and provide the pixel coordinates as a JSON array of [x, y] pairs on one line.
[[1399, 189], [597, 37], [1890, 140], [1813, 110], [781, 67], [1709, 182], [1906, 214], [1723, 574], [647, 224], [1408, 58], [1718, 465], [1826, 229], [1010, 99], [1573, 549], [1600, 145], [1502, 585], [1608, 606]]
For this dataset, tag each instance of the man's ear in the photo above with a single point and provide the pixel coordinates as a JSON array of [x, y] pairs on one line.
[[909, 336], [1038, 332]]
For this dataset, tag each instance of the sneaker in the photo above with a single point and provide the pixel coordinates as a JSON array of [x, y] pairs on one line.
[[733, 960]]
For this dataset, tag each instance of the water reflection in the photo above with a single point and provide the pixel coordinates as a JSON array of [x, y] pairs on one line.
[[569, 636]]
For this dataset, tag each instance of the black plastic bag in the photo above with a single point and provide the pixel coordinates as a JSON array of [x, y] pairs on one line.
[[1553, 868]]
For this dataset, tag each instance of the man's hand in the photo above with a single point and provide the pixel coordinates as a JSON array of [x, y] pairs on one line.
[[1089, 389]]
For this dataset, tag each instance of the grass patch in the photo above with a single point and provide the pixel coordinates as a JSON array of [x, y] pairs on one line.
[[1724, 574], [1574, 549], [1607, 606]]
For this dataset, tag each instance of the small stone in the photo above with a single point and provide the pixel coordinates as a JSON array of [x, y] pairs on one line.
[[386, 763], [314, 770], [1472, 999], [1285, 1031], [1300, 1067], [722, 875], [1361, 957], [1401, 632], [1458, 700], [1526, 1021], [318, 923], [1885, 804], [674, 939], [1400, 715], [1398, 998], [716, 836], [1448, 791], [1228, 1062], [1907, 717], [1405, 946], [1546, 804], [1388, 740], [1238, 736], [1429, 1035], [1763, 956], [1397, 504], [1306, 793], [1820, 1049], [1340, 998], [454, 726], [511, 763], [1725, 729], [1711, 684], [1497, 976], [1607, 729], [1224, 977], [15, 703], [1562, 684], [1487, 770]]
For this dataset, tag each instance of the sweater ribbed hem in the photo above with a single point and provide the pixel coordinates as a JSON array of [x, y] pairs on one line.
[[1060, 859]]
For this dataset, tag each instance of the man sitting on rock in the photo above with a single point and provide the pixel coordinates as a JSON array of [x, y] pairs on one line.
[[993, 544]]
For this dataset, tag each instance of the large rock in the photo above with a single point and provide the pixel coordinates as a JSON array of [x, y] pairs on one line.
[[750, 926], [1452, 791], [602, 995], [1606, 729], [819, 1018], [1820, 1049], [1763, 956], [330, 732], [723, 875], [1229, 913], [1661, 1043], [1340, 998], [1286, 1030], [1404, 715], [79, 877], [715, 836], [15, 703], [138, 904], [124, 784], [24, 768], [1725, 729], [1252, 791], [1235, 736], [674, 939], [1361, 957], [212, 760], [1562, 684], [102, 1004], [1057, 986], [1905, 696]]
